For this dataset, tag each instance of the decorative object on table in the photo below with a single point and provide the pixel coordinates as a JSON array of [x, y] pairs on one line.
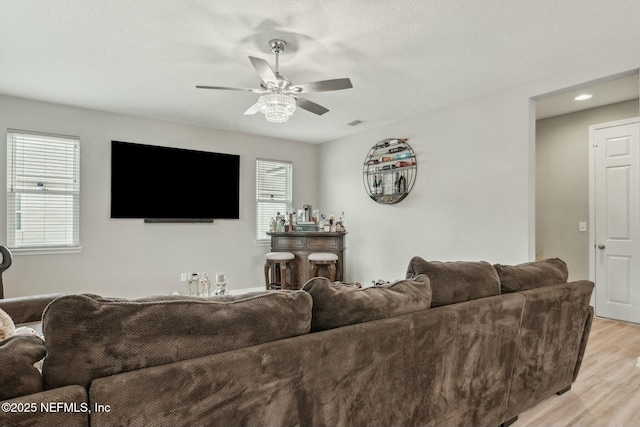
[[199, 285], [204, 286], [193, 284], [390, 170], [221, 284], [279, 97]]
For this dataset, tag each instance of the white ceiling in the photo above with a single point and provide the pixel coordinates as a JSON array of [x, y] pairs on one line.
[[404, 57]]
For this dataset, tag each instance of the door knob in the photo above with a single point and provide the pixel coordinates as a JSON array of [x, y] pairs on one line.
[[600, 246]]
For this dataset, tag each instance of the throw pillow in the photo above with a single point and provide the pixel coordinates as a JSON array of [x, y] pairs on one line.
[[18, 375], [7, 327], [453, 282], [90, 337], [531, 275], [336, 305]]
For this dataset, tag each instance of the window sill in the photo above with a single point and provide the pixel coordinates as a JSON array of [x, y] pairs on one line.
[[46, 251], [263, 242]]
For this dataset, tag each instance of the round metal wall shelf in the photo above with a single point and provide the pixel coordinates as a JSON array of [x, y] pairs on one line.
[[390, 170]]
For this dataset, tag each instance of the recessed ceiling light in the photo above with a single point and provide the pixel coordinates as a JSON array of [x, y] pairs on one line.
[[582, 97]]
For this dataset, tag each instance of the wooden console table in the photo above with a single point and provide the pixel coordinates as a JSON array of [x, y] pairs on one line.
[[303, 243]]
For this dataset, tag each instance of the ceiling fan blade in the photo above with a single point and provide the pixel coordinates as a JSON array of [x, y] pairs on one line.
[[323, 86], [253, 109], [264, 70], [305, 104], [241, 89]]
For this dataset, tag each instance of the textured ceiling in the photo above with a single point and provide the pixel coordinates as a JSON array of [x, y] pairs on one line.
[[405, 57]]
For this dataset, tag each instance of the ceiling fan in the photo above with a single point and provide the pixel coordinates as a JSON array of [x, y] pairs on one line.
[[279, 97]]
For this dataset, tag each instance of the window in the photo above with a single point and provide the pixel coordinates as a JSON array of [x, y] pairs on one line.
[[274, 193], [43, 188]]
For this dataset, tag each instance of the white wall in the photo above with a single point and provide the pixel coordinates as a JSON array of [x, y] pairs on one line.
[[562, 183], [474, 197], [127, 257], [467, 203]]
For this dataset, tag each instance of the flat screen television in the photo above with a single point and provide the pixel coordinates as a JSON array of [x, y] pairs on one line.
[[153, 182]]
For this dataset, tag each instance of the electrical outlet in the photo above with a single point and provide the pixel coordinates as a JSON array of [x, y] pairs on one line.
[[183, 277]]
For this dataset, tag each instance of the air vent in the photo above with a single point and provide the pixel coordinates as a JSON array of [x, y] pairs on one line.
[[355, 123]]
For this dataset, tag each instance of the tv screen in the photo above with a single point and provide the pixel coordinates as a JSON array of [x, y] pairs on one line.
[[154, 182]]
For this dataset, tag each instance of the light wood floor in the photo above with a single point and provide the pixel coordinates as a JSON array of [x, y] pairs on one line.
[[607, 391]]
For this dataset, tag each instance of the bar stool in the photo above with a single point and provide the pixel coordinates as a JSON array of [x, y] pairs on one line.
[[323, 258], [277, 263]]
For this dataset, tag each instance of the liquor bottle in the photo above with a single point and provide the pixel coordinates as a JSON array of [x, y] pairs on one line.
[[402, 156], [375, 184]]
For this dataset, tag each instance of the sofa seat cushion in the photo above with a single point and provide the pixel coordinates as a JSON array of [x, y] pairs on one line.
[[453, 282], [18, 375], [90, 337], [336, 304], [530, 275]]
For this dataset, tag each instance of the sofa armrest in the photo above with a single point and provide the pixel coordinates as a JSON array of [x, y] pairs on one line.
[[583, 343], [27, 309]]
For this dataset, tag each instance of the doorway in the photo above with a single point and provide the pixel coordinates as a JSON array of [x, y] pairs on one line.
[[563, 220]]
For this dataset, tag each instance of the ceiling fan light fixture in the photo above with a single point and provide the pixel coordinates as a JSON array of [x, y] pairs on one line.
[[277, 107]]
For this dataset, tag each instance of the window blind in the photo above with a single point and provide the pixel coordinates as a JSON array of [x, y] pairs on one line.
[[274, 193], [43, 189]]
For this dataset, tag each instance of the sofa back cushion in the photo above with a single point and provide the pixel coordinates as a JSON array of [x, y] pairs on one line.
[[532, 275], [89, 337], [453, 282], [18, 376], [336, 304]]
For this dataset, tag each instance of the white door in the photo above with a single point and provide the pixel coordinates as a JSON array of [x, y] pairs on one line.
[[615, 218]]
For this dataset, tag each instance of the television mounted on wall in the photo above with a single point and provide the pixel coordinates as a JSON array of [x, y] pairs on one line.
[[165, 184]]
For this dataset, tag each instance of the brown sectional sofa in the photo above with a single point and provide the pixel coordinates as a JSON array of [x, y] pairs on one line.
[[439, 348]]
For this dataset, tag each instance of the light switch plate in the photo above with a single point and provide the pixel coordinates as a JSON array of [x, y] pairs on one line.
[[582, 226]]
